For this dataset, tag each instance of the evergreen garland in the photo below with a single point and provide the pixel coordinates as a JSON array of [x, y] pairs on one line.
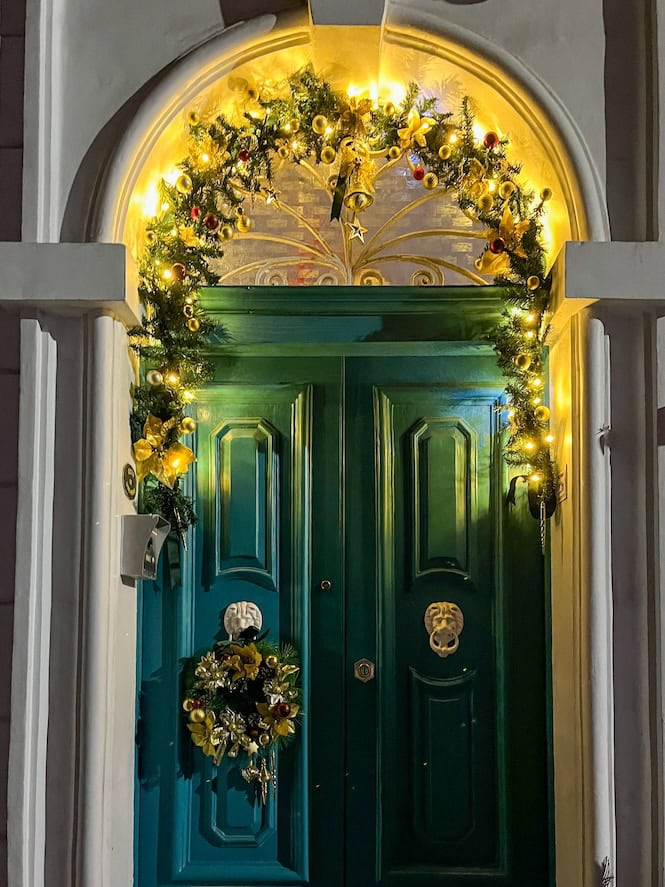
[[231, 163]]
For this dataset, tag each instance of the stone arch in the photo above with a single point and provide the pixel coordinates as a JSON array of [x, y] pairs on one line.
[[149, 124]]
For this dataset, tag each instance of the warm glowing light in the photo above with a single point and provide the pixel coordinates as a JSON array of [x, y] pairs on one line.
[[536, 478], [536, 382], [392, 91], [205, 158], [172, 379], [188, 396], [531, 318], [353, 91], [453, 139], [167, 274], [536, 401], [150, 202], [166, 206], [529, 445], [328, 130], [530, 334], [287, 127], [511, 415], [491, 185], [549, 438], [478, 131], [171, 175]]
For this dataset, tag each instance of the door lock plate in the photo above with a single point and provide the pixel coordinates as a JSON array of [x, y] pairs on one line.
[[363, 670]]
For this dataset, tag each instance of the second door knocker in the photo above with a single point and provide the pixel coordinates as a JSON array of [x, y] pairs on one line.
[[444, 623]]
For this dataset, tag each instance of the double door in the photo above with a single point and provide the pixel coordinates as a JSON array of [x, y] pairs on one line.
[[345, 496]]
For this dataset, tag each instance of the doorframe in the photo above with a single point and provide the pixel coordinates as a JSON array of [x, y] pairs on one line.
[[103, 792]]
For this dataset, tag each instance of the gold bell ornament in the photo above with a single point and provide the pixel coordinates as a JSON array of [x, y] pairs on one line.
[[360, 187]]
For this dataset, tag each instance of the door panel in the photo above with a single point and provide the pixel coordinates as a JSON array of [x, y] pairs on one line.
[[253, 487], [427, 745]]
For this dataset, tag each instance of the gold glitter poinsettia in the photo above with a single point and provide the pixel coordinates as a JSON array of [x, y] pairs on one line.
[[508, 236], [207, 735], [152, 456], [246, 662], [188, 236], [415, 130], [511, 232], [473, 183], [211, 672], [279, 726]]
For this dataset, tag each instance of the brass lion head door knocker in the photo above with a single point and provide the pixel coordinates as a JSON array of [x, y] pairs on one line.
[[444, 623]]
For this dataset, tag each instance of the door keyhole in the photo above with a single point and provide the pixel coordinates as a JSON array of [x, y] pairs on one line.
[[363, 670]]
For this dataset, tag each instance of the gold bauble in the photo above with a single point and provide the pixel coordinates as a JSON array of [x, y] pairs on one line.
[[188, 425], [150, 237], [430, 181], [188, 310], [546, 194], [319, 124], [485, 202], [264, 739], [183, 184], [192, 118], [389, 109], [283, 152], [328, 154], [244, 224], [445, 151], [293, 125], [226, 232], [522, 361], [507, 189], [193, 324], [197, 715], [394, 152], [272, 661], [541, 413], [154, 378], [188, 704], [533, 282]]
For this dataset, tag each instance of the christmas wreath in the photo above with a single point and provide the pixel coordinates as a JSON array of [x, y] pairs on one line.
[[243, 701]]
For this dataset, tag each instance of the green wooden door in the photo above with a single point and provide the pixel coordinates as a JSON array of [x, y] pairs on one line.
[[446, 762], [381, 475]]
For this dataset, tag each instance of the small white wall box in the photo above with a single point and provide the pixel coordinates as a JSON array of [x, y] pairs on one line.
[[143, 536]]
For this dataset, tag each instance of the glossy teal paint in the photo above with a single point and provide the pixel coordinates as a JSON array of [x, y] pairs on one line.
[[357, 442]]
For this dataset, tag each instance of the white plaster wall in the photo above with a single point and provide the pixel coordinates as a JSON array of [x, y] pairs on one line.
[[103, 54], [562, 42]]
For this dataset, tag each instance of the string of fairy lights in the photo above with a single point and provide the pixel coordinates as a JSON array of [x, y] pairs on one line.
[[232, 162]]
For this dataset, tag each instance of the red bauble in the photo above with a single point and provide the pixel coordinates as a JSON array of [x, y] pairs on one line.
[[282, 709], [497, 245], [195, 212], [211, 221], [226, 656], [243, 155], [196, 703], [179, 271], [418, 173], [253, 733], [491, 140]]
